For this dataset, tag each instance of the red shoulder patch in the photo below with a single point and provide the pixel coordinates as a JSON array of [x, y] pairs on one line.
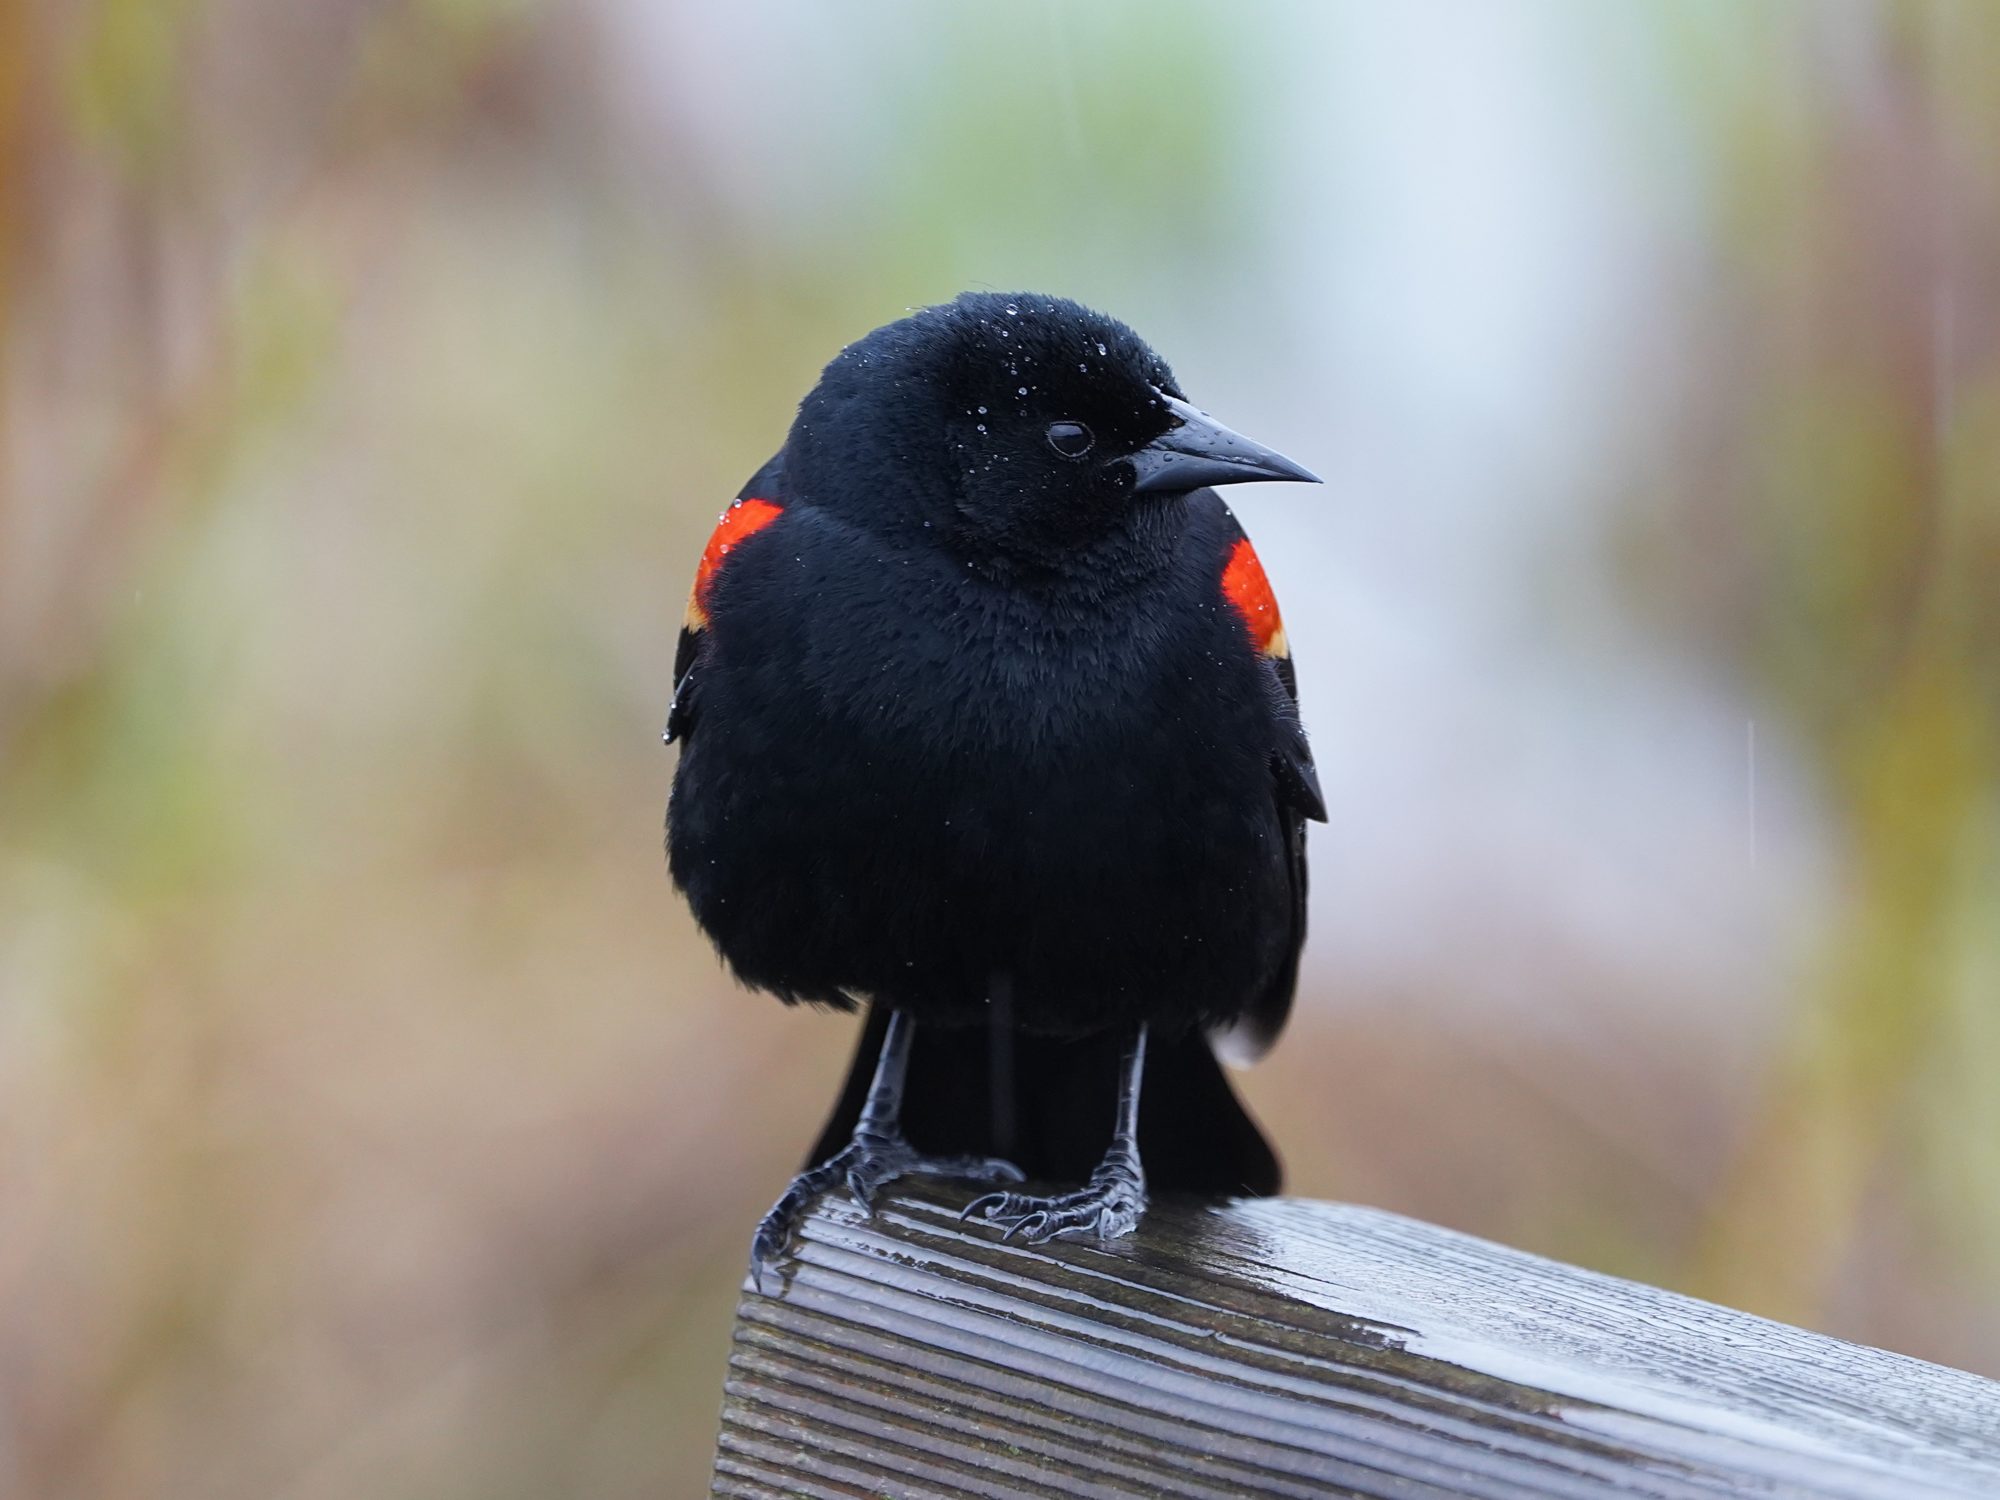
[[743, 518], [1249, 591]]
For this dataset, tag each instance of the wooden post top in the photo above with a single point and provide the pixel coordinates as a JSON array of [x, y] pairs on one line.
[[1291, 1348]]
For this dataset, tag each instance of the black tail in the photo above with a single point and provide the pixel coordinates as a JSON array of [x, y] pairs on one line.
[[1046, 1104]]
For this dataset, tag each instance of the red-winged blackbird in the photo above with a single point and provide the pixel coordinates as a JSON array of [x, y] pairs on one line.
[[988, 723]]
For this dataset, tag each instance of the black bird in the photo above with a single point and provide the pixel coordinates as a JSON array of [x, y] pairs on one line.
[[988, 723]]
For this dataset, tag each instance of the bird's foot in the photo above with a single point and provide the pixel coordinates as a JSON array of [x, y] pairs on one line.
[[872, 1159], [1107, 1207]]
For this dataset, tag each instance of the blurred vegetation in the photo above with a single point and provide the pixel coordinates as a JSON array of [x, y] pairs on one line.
[[1843, 539], [371, 1118]]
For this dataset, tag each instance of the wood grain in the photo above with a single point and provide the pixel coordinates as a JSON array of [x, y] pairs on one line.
[[1290, 1348]]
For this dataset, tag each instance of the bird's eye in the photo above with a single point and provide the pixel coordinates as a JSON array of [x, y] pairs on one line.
[[1070, 439]]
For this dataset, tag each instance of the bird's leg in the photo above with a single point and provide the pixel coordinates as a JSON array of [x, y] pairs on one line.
[[877, 1154], [1107, 1206]]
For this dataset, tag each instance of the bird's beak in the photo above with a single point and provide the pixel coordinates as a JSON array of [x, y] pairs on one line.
[[1200, 451]]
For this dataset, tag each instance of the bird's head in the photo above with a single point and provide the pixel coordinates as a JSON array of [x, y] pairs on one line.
[[1010, 426]]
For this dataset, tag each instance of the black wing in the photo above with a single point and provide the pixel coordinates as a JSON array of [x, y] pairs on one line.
[[1295, 791]]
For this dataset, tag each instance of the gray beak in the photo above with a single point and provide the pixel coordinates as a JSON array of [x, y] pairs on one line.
[[1200, 451]]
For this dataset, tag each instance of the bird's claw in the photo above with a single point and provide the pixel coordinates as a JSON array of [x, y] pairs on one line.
[[868, 1162], [1107, 1208], [1027, 1227]]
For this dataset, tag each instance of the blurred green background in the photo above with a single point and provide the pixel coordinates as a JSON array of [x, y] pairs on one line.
[[372, 1119]]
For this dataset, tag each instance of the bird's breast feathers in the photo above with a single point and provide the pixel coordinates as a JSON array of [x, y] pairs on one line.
[[1027, 649]]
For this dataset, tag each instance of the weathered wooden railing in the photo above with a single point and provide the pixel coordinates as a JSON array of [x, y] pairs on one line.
[[1300, 1349]]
